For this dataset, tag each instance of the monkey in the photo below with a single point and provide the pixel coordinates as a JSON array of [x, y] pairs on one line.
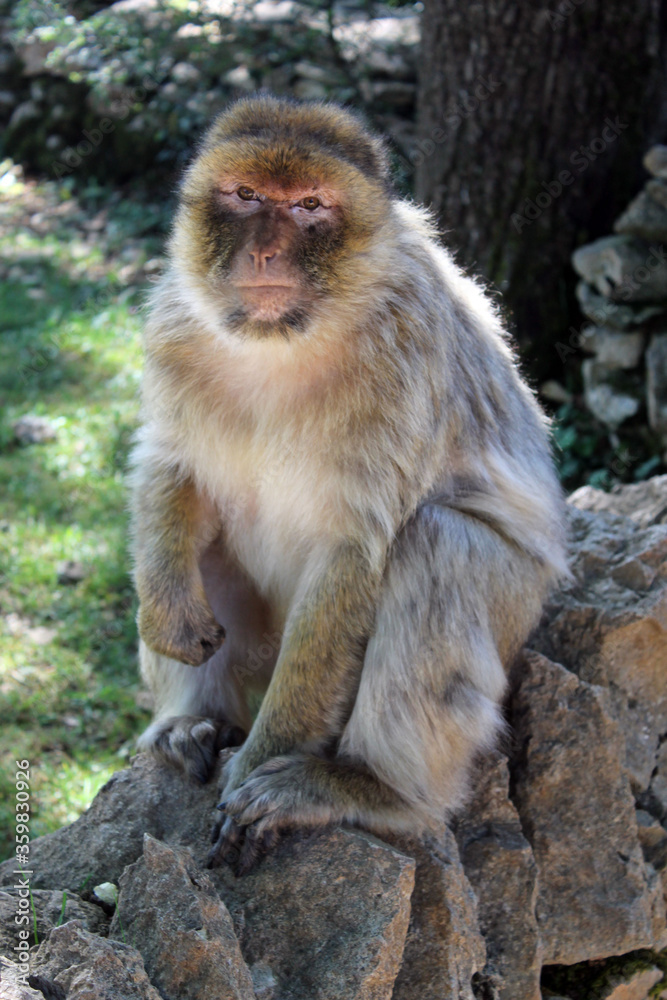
[[343, 495]]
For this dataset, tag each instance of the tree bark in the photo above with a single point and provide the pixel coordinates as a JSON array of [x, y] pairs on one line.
[[533, 120]]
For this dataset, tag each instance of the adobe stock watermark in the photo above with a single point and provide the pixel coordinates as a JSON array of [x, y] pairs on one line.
[[23, 915], [581, 160], [481, 91], [657, 258], [73, 156]]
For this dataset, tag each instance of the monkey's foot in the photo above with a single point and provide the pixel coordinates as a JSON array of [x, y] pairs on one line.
[[191, 742], [296, 791]]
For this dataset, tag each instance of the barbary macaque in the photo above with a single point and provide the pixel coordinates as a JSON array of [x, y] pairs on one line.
[[343, 494]]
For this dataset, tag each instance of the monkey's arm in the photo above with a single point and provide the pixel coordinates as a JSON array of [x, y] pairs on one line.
[[172, 525], [317, 674]]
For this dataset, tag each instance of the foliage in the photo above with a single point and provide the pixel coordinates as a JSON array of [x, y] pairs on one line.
[[587, 454], [158, 75], [69, 351]]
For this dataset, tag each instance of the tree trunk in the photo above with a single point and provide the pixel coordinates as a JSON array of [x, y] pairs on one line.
[[533, 121]]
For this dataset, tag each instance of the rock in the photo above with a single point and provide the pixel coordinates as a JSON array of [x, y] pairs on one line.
[[623, 268], [70, 571], [172, 913], [149, 797], [323, 915], [613, 348], [33, 430], [655, 161], [609, 404], [310, 90], [555, 392], [645, 218], [607, 313], [596, 896], [653, 839], [658, 191], [499, 862], [631, 986], [658, 786], [609, 626], [443, 947], [656, 383], [645, 502], [11, 985], [48, 910], [78, 965]]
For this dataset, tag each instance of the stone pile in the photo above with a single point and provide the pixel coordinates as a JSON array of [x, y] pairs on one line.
[[187, 71], [624, 292], [549, 884]]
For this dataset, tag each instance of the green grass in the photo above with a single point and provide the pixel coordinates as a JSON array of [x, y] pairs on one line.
[[69, 351]]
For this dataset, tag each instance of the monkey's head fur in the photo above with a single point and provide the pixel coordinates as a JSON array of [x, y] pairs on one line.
[[276, 211]]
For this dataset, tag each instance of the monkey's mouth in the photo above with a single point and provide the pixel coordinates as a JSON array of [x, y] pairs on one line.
[[268, 301]]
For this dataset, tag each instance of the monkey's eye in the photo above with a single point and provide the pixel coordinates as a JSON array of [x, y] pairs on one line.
[[246, 193], [311, 203]]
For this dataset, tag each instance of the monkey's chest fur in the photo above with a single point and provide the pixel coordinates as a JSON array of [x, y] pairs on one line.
[[289, 490]]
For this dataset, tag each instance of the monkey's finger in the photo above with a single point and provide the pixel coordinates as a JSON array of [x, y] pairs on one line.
[[212, 645], [226, 755], [259, 840], [227, 845]]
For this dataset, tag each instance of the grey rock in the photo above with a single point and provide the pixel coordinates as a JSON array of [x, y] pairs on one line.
[[603, 311], [172, 913], [655, 161], [609, 626], [644, 217], [658, 786], [70, 571], [653, 839], [623, 268], [149, 797], [609, 404], [656, 384], [596, 895], [658, 191], [499, 862], [12, 986], [33, 430], [645, 503], [48, 911], [324, 915], [78, 965], [443, 948], [613, 348]]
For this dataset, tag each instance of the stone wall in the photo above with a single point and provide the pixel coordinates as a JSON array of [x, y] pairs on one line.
[[624, 293]]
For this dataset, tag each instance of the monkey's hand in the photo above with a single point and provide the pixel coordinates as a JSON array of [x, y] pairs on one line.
[[284, 793], [184, 631]]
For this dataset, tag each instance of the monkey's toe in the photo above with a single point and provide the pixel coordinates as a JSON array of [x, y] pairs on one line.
[[191, 743], [241, 847]]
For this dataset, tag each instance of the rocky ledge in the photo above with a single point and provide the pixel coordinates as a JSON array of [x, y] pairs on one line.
[[547, 885]]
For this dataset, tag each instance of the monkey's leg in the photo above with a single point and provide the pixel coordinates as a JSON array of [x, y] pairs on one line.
[[317, 673], [200, 711], [173, 523], [456, 601]]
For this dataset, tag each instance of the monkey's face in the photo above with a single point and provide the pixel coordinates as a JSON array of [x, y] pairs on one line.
[[275, 212], [275, 247]]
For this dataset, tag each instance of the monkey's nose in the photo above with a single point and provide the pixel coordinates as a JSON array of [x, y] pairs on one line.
[[262, 258]]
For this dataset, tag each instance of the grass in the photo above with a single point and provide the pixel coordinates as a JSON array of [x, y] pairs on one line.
[[70, 289]]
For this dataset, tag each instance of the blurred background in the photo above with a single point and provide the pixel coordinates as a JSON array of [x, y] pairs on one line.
[[533, 131]]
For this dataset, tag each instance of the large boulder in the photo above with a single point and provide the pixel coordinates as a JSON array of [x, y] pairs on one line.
[[573, 796]]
